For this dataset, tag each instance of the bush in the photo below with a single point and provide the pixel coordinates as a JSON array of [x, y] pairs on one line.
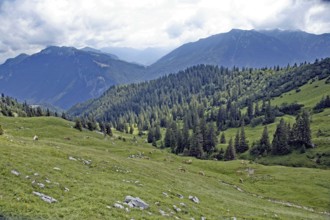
[[257, 121]]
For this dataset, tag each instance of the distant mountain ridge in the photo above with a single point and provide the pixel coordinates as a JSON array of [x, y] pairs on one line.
[[62, 76], [245, 48]]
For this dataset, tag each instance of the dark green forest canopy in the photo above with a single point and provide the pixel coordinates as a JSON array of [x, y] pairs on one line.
[[202, 88]]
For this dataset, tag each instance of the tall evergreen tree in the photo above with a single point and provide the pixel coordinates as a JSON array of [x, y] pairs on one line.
[[243, 143], [158, 134], [265, 146], [185, 135], [280, 144], [1, 130], [150, 135], [222, 138], [108, 129], [210, 140], [196, 144], [236, 143], [230, 153], [78, 124], [301, 132]]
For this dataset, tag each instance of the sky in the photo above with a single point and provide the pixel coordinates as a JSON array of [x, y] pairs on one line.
[[28, 26]]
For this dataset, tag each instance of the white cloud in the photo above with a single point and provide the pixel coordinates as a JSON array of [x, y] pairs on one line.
[[30, 25]]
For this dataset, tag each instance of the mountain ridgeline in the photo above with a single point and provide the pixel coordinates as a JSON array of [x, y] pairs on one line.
[[62, 76], [245, 48]]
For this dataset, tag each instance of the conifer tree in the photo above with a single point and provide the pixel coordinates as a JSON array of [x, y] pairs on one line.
[[131, 129], [236, 144], [1, 130], [150, 135], [78, 124], [301, 132], [243, 143], [185, 135], [280, 144], [196, 144], [210, 140], [222, 138], [158, 134], [230, 153], [108, 129]]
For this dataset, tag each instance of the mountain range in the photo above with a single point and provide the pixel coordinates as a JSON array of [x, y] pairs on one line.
[[245, 48], [61, 76], [64, 76]]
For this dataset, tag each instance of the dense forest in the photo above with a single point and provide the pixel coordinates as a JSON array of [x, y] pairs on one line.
[[197, 104], [10, 107]]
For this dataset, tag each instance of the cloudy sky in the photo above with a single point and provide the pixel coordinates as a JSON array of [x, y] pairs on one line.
[[30, 25]]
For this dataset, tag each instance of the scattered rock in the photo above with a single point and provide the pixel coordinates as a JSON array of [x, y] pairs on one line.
[[15, 172], [87, 162], [35, 138], [187, 161], [157, 203], [36, 174], [180, 196], [119, 206], [182, 204], [201, 173], [176, 208], [41, 185], [27, 177], [136, 202], [72, 158], [44, 197], [163, 213], [48, 181], [194, 199], [56, 168], [203, 218], [165, 194], [66, 189]]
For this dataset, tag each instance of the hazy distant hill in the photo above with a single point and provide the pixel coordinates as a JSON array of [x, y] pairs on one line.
[[145, 56], [63, 76], [245, 48]]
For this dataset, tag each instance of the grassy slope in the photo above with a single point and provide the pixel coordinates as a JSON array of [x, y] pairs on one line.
[[309, 95], [112, 175]]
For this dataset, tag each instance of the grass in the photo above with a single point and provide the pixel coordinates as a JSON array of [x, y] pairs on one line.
[[150, 175], [310, 94]]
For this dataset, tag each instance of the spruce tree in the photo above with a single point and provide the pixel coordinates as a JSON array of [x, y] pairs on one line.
[[108, 130], [236, 143], [150, 135], [158, 134], [264, 143], [222, 138], [210, 140], [131, 129], [196, 144], [78, 124], [301, 132], [243, 143], [185, 135], [230, 153], [280, 144], [1, 130]]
